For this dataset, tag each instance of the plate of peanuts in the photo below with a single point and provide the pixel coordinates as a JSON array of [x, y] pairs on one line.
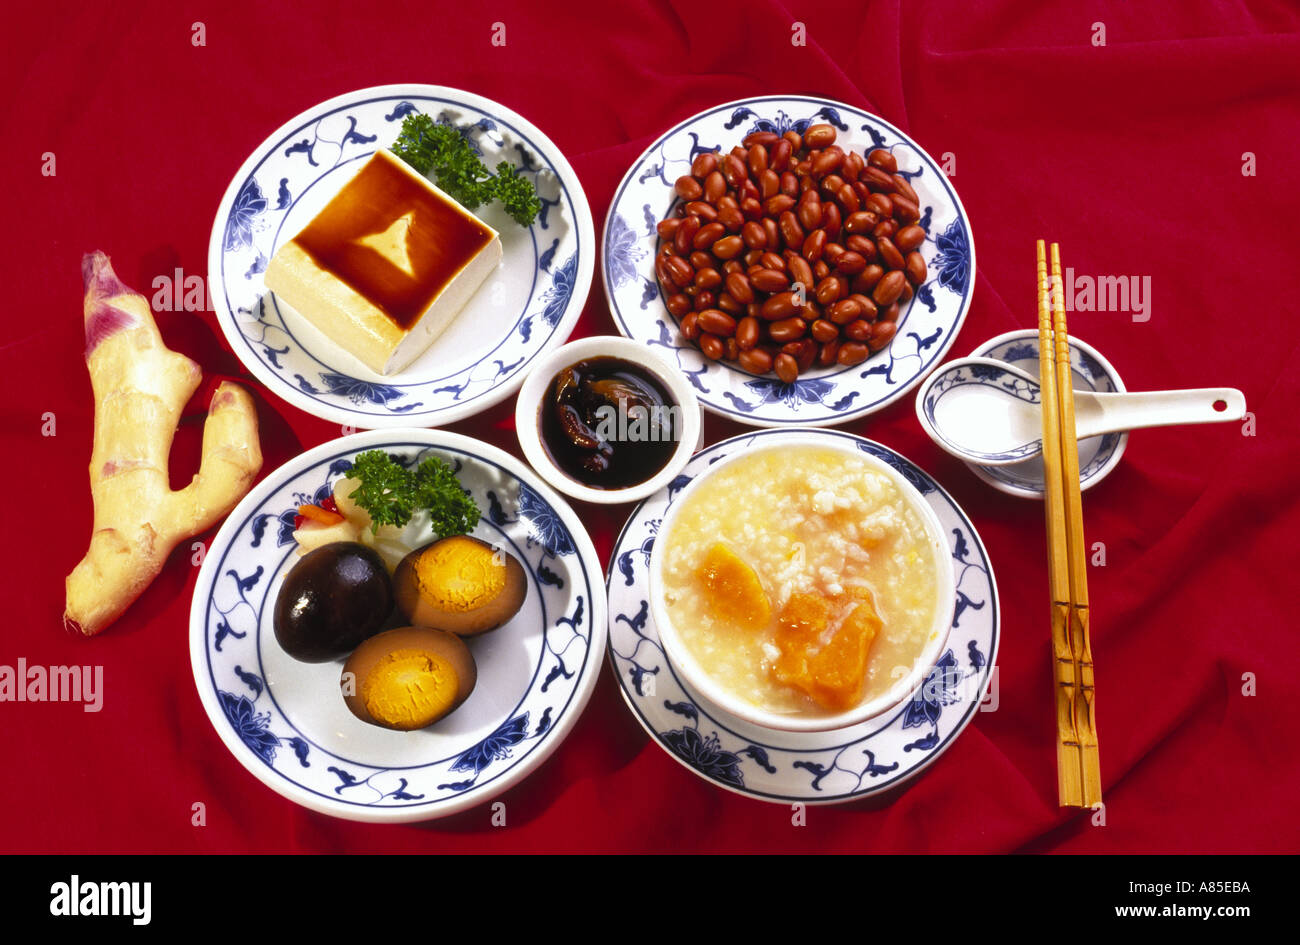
[[804, 261]]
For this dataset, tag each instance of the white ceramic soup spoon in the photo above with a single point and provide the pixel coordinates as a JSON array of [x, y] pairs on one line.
[[987, 411]]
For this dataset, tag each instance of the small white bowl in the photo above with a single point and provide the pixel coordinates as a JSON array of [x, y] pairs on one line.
[[529, 404], [1098, 455], [698, 679]]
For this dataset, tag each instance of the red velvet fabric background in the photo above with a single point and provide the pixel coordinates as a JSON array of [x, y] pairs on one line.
[[1130, 154]]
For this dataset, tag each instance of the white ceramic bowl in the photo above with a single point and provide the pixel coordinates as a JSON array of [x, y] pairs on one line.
[[1098, 455], [529, 404], [699, 680]]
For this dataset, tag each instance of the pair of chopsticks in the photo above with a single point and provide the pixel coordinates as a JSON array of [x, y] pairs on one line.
[[1077, 766]]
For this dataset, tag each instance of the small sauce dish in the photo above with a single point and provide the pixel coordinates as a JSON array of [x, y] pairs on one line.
[[644, 403], [1098, 455]]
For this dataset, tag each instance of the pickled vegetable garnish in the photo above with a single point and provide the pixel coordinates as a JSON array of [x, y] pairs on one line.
[[609, 423]]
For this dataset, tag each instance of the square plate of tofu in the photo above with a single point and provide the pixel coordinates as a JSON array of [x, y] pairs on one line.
[[358, 290]]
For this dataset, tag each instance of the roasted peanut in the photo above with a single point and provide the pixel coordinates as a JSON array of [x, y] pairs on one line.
[[851, 353], [877, 179], [733, 168], [824, 331], [852, 167], [801, 272], [791, 251], [889, 288], [831, 219], [755, 360], [915, 268], [690, 330], [688, 188], [850, 263], [728, 247], [905, 211], [786, 367], [848, 199], [748, 331], [731, 218], [882, 334], [882, 159], [856, 330], [813, 245], [844, 311], [779, 306], [716, 322], [685, 235], [708, 278], [787, 329], [829, 290], [909, 238], [667, 229], [708, 234], [769, 280], [791, 232], [819, 136], [680, 271], [904, 189], [810, 210], [707, 212], [804, 352], [889, 253]]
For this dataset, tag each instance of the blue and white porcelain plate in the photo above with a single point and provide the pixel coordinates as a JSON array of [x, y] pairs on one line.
[[823, 396], [815, 767], [286, 721], [528, 305]]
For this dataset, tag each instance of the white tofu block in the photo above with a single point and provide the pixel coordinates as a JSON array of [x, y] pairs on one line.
[[386, 265]]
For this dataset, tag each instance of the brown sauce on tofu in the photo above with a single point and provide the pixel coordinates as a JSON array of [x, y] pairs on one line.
[[393, 240]]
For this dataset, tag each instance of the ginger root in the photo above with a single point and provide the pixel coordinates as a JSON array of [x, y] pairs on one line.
[[140, 389]]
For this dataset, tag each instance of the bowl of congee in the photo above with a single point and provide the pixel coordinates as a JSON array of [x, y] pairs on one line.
[[802, 584]]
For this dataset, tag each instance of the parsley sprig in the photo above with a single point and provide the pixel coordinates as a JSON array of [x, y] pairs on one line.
[[445, 151], [393, 494]]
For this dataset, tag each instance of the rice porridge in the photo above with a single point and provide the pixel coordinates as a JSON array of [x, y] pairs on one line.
[[802, 580]]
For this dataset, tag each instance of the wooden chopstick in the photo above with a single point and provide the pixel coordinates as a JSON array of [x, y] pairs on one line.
[[1069, 755], [1080, 644]]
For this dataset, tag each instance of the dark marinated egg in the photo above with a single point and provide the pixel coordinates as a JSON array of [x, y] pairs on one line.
[[332, 599]]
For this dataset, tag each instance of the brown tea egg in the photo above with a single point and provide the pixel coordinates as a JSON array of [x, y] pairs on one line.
[[461, 585], [331, 600], [408, 678]]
